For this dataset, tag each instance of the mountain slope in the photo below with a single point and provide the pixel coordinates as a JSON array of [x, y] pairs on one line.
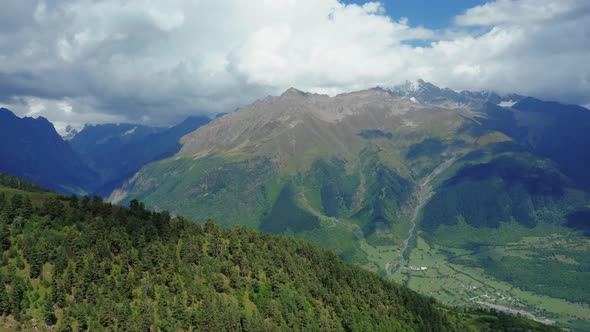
[[506, 228], [559, 132], [96, 141], [549, 129], [86, 265], [516, 186], [341, 169], [33, 150]]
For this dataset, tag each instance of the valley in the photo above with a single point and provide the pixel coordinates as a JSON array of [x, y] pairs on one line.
[[377, 256], [463, 284], [422, 194]]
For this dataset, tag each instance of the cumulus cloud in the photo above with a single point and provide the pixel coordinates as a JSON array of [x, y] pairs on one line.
[[158, 61]]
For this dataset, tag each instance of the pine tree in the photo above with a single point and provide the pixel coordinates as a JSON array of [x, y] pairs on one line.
[[74, 202], [53, 207], [36, 264], [7, 215], [61, 261], [16, 297], [3, 201], [27, 207], [4, 304], [17, 202], [48, 310], [58, 292], [4, 236]]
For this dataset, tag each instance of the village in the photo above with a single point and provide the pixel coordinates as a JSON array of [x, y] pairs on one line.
[[492, 299]]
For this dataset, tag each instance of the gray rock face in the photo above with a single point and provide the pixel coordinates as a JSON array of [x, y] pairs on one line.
[[297, 117]]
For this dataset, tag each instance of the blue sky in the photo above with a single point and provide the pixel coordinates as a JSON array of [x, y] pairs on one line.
[[432, 14]]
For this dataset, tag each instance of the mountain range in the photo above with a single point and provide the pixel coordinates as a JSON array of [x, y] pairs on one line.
[[469, 197]]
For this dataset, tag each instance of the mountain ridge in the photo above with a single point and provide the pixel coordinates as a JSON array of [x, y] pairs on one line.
[[429, 93]]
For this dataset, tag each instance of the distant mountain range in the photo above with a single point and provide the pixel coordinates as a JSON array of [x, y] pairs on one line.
[[429, 93], [116, 152], [33, 150]]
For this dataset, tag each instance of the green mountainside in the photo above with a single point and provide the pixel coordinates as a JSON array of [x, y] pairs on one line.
[[507, 187], [72, 264]]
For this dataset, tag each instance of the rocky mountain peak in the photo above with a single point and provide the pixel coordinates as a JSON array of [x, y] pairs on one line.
[[428, 93], [293, 92]]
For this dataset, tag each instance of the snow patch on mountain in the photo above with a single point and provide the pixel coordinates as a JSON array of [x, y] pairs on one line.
[[67, 133], [507, 103], [130, 131]]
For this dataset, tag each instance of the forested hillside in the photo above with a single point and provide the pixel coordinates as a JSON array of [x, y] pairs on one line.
[[11, 181], [78, 264]]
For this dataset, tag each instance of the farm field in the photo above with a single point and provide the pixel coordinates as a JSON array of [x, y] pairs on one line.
[[456, 276]]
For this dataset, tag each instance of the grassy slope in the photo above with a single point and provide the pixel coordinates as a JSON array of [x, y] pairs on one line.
[[210, 188]]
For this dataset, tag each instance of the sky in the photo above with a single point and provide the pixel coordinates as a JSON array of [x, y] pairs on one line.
[[156, 62], [432, 14]]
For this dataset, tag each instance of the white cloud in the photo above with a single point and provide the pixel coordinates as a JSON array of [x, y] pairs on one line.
[[65, 107], [519, 12], [35, 107], [158, 61], [62, 112]]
